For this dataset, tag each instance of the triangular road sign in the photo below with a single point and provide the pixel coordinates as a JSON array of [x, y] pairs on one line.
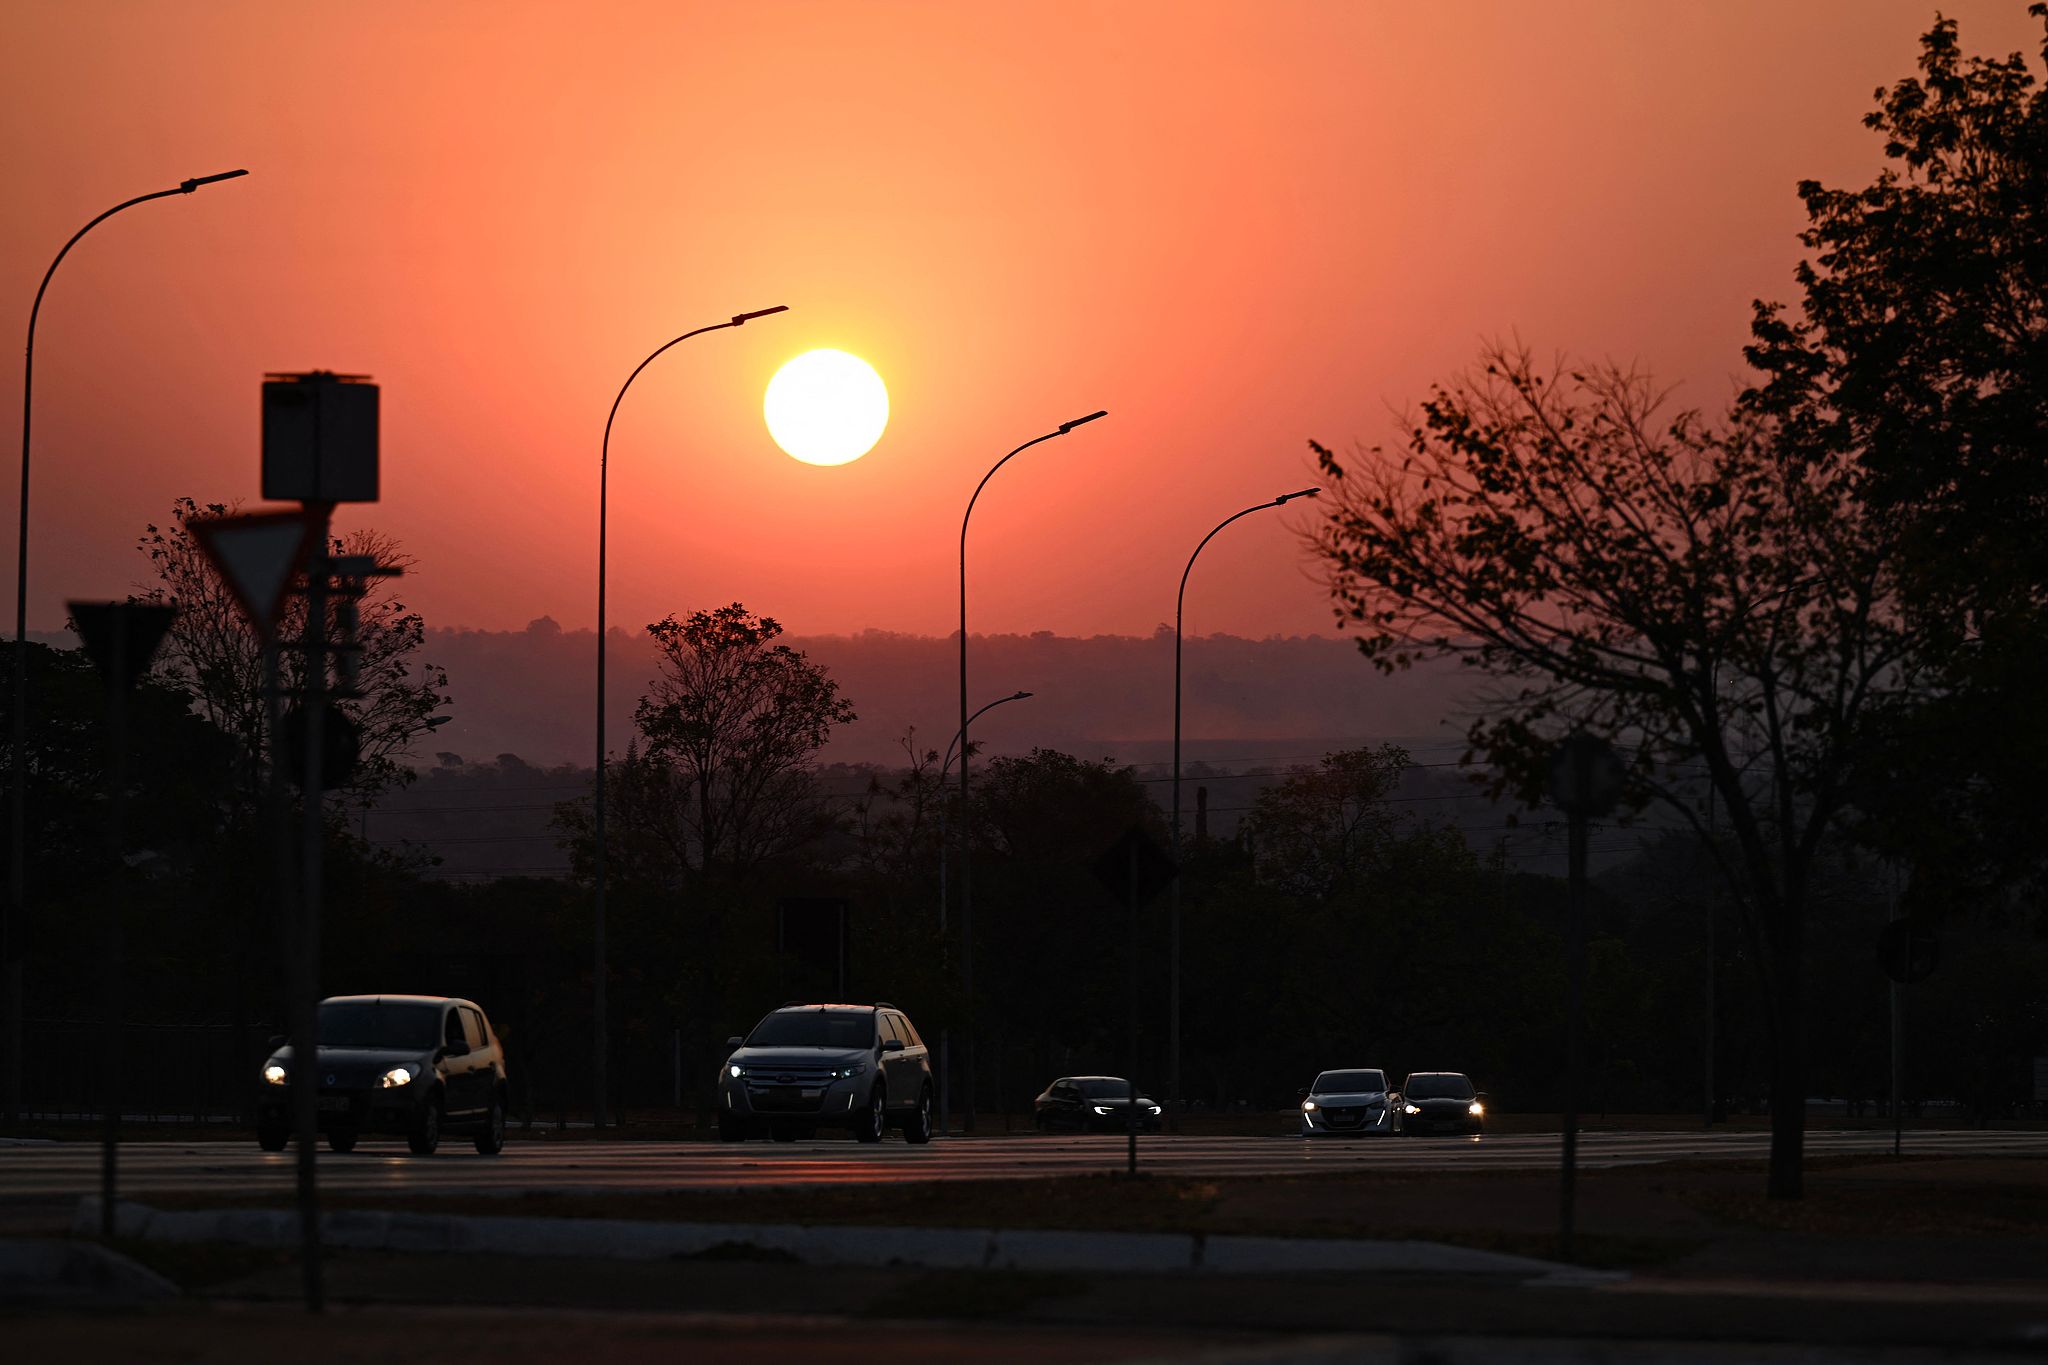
[[121, 637], [257, 556]]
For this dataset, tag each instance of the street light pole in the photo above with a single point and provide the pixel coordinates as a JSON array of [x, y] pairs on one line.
[[966, 879], [945, 1034], [1173, 908], [11, 934], [600, 1049]]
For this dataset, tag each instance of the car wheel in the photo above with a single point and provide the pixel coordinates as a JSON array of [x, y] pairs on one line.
[[341, 1139], [871, 1128], [425, 1136], [731, 1129], [917, 1129], [491, 1140], [273, 1139]]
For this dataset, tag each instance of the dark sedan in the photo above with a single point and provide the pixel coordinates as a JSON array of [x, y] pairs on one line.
[[1100, 1104], [1441, 1102]]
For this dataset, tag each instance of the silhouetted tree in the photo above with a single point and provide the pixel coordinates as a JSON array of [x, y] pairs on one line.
[[1682, 587], [725, 778], [216, 656], [1319, 828], [1918, 350]]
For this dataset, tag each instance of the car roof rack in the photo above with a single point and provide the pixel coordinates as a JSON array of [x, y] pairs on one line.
[[885, 1005]]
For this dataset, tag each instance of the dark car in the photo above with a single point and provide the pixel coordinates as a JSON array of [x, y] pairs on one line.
[[416, 1066], [1092, 1104], [1441, 1102], [806, 1067], [1351, 1100]]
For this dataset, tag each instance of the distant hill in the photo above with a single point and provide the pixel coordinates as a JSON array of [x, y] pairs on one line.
[[530, 693]]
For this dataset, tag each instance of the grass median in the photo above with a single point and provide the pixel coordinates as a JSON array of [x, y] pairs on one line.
[[1645, 1218]]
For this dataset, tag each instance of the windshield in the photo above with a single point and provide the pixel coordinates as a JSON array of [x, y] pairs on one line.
[[408, 1027], [815, 1028], [1105, 1088], [1349, 1082], [1438, 1085]]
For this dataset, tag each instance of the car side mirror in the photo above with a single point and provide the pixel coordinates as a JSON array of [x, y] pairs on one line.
[[1302, 1093], [1479, 1094], [892, 1045], [459, 1049], [735, 1043], [278, 1040]]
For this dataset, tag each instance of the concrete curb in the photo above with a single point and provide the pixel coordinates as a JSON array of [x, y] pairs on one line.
[[37, 1270], [935, 1248]]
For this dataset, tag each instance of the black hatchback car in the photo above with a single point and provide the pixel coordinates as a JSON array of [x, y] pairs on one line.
[[415, 1066], [1093, 1104], [1441, 1102]]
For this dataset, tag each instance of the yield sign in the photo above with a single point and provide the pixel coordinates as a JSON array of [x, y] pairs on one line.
[[121, 637], [257, 557]]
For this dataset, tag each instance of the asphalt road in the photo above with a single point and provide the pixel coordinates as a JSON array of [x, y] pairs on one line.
[[58, 1170]]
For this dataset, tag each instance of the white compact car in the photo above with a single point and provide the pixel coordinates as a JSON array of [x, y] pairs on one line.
[[1351, 1101]]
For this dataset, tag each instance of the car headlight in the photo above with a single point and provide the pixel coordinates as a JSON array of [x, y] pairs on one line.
[[275, 1074], [1308, 1106], [843, 1072], [735, 1071], [1475, 1109], [1411, 1108], [397, 1076], [1102, 1109]]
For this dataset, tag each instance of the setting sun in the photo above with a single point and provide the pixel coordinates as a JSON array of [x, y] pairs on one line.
[[826, 407]]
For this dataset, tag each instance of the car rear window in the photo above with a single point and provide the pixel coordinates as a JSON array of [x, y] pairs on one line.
[[395, 1025]]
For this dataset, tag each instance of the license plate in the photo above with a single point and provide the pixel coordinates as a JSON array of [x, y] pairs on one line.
[[334, 1104], [812, 1094]]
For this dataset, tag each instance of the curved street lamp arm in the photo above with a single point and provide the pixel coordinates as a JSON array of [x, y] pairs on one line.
[[1179, 601], [1280, 501], [946, 766]]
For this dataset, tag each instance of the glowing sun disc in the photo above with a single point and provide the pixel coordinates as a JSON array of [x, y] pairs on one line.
[[826, 407]]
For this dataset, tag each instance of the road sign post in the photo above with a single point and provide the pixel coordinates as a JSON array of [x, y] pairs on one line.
[[120, 638], [1134, 869], [1585, 780]]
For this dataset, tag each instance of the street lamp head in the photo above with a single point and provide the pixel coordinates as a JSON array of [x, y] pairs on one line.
[[187, 186], [1066, 427], [1286, 498], [1019, 696], [741, 319]]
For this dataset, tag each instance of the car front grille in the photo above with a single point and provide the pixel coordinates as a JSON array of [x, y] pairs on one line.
[[789, 1090], [1343, 1118]]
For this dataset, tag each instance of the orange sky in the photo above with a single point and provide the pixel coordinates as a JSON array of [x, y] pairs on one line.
[[1234, 226]]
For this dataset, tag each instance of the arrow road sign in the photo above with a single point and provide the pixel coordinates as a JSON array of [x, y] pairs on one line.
[[257, 556], [121, 637]]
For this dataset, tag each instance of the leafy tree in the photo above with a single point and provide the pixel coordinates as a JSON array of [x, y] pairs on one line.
[[726, 779], [1681, 586], [1320, 828], [216, 656], [1918, 350]]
